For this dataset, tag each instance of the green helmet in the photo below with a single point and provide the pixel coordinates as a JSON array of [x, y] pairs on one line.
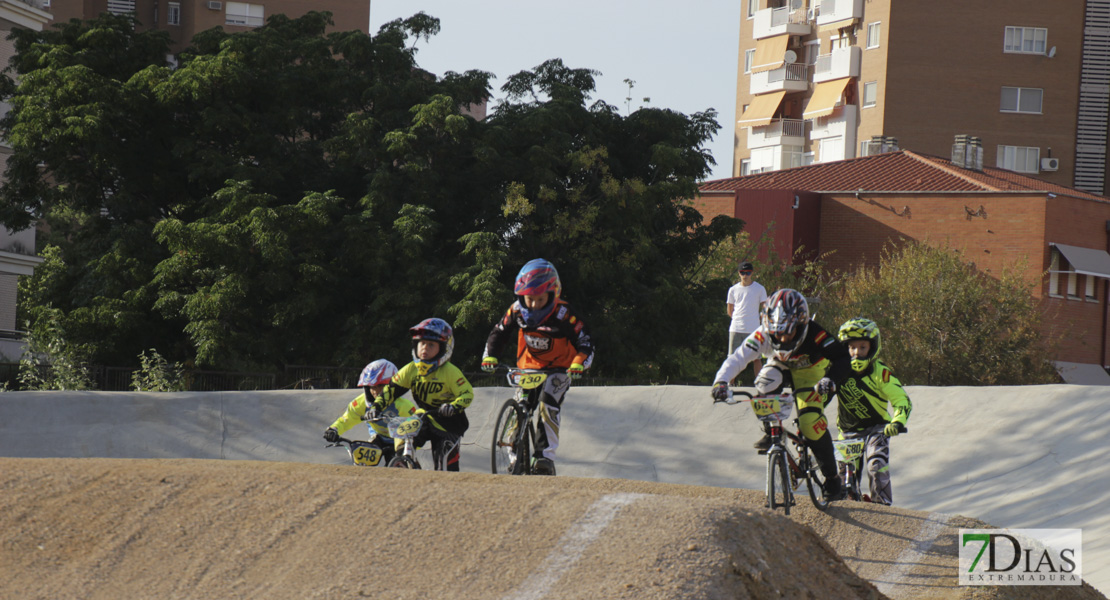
[[862, 329]]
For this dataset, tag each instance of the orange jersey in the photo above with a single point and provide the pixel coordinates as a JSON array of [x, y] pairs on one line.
[[561, 339]]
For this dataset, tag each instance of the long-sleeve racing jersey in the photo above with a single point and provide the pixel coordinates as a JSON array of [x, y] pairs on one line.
[[561, 339], [863, 399], [818, 349]]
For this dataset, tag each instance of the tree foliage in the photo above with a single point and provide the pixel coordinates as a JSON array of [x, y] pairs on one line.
[[945, 323], [285, 196]]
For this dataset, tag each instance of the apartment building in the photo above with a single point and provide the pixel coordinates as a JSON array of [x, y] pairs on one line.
[[17, 248], [185, 18], [825, 80]]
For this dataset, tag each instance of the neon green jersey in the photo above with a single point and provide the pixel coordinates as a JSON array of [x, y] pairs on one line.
[[356, 409], [862, 400], [445, 385]]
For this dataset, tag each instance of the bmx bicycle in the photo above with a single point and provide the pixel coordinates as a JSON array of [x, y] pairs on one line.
[[365, 454], [849, 458], [789, 459], [514, 435], [407, 428]]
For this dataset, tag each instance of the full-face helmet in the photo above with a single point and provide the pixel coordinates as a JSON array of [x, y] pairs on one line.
[[537, 277], [862, 329], [786, 313], [379, 372], [436, 330]]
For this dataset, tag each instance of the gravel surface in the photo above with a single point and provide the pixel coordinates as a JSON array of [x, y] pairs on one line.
[[144, 528]]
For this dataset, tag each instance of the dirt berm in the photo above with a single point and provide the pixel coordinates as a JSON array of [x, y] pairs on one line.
[[147, 528]]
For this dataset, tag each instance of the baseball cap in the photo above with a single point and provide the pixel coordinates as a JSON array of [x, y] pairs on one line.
[[745, 266]]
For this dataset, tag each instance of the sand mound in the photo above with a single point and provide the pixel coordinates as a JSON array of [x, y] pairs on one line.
[[118, 528]]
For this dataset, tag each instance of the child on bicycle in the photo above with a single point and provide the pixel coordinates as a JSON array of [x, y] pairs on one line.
[[373, 379], [438, 387], [549, 335], [862, 410], [802, 354]]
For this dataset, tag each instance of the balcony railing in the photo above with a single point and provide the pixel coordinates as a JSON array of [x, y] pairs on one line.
[[785, 127], [840, 63], [792, 19], [795, 72], [787, 132], [832, 11]]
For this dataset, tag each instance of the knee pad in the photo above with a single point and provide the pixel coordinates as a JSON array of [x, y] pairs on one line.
[[876, 464], [770, 380], [812, 423]]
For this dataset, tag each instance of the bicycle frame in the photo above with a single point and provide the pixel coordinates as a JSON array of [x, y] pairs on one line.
[[797, 462], [517, 422]]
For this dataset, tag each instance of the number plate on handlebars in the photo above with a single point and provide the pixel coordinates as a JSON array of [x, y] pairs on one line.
[[772, 408], [365, 454], [405, 427], [529, 381], [848, 450]]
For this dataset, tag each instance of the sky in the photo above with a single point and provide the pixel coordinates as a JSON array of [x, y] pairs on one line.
[[681, 55]]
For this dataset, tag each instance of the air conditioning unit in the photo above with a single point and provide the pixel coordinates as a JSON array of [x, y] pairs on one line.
[[215, 5], [1050, 164]]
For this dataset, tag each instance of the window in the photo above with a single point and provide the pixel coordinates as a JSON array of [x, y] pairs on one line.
[[873, 35], [832, 149], [1090, 288], [745, 166], [1025, 40], [749, 55], [1022, 100], [753, 5], [241, 13], [173, 13], [121, 7], [1054, 274], [840, 42], [870, 93], [1023, 159], [1072, 285]]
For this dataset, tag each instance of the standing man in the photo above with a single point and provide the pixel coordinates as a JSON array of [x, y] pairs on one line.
[[745, 303]]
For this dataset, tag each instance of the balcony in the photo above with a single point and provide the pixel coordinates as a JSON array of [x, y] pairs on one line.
[[790, 20], [788, 78], [835, 11], [841, 63], [775, 158], [17, 252], [836, 134], [780, 132]]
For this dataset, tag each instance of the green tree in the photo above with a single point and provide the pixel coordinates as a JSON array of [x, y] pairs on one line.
[[945, 323], [286, 196]]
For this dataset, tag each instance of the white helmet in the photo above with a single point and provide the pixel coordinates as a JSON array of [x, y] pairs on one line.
[[379, 372]]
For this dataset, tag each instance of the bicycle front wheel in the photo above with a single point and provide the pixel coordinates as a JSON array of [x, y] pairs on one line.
[[505, 457], [815, 479], [403, 462], [778, 481]]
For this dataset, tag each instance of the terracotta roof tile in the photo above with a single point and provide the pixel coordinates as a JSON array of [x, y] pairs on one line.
[[902, 171]]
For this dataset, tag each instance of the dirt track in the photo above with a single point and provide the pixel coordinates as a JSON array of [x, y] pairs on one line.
[[112, 528]]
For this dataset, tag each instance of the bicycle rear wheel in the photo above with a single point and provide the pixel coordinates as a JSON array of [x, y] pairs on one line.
[[815, 479], [506, 458], [778, 481]]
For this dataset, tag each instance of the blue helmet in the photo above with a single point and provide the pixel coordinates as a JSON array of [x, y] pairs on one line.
[[436, 330], [535, 278]]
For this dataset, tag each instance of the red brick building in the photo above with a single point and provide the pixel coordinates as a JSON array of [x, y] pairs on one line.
[[998, 218]]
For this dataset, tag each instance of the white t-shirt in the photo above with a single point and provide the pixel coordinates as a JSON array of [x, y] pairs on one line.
[[745, 303]]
